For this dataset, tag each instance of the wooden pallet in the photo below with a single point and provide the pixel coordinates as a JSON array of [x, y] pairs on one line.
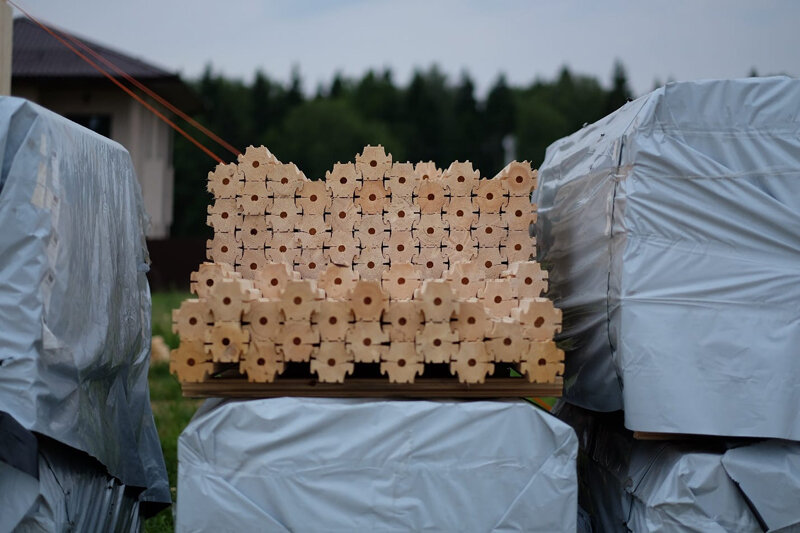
[[382, 262], [373, 388]]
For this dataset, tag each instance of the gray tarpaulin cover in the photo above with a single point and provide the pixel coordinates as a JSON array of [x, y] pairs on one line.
[[671, 230], [697, 485], [73, 492], [74, 299], [301, 464]]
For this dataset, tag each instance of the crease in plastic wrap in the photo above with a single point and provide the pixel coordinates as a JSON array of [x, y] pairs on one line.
[[73, 492], [695, 485], [300, 464], [671, 232], [74, 298]]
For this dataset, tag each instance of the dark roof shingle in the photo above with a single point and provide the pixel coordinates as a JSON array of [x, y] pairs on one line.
[[37, 54]]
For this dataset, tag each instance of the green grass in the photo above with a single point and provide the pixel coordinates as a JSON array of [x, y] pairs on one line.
[[171, 411]]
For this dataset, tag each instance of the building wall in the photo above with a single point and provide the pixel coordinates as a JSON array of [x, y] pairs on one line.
[[147, 138]]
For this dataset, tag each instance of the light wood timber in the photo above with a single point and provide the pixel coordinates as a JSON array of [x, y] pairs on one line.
[[223, 248], [332, 362], [430, 230], [343, 214], [333, 320], [343, 180], [431, 197], [225, 180], [223, 215], [542, 363], [519, 178], [372, 197], [490, 196], [471, 321], [262, 362], [368, 300], [313, 198], [436, 300], [540, 319], [226, 341], [492, 261], [366, 341], [460, 179], [189, 362], [527, 279], [337, 281], [296, 341], [255, 162], [253, 198], [437, 342], [284, 180], [518, 246], [228, 299], [401, 216], [253, 232], [283, 215], [431, 262], [472, 362], [373, 163], [191, 320], [467, 279], [401, 181], [506, 343], [401, 247], [460, 213], [207, 275], [402, 363], [403, 320], [263, 319], [400, 281], [300, 299], [341, 247]]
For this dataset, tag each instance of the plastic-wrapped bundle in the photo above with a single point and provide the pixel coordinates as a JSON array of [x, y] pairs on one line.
[[74, 299], [671, 230], [301, 464], [696, 485]]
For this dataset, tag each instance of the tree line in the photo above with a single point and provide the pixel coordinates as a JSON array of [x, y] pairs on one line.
[[432, 118]]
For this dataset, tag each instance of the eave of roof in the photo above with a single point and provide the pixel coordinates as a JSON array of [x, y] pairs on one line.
[[38, 56]]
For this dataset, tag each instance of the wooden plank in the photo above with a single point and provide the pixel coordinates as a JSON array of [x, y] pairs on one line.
[[651, 435], [373, 388]]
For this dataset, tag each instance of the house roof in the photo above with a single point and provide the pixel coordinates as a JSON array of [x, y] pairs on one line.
[[36, 53], [38, 56]]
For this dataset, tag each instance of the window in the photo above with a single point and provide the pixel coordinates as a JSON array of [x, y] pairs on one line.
[[99, 123]]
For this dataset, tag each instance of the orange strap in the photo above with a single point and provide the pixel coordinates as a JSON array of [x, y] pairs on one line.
[[121, 86]]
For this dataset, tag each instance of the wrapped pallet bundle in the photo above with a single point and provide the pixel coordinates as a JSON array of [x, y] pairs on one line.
[[671, 230], [707, 485], [75, 335], [308, 464]]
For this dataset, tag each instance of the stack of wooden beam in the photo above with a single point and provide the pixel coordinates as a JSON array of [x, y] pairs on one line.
[[382, 262]]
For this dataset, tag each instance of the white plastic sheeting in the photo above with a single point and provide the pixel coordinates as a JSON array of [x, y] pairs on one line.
[[74, 299], [72, 493], [300, 464], [671, 231], [699, 485]]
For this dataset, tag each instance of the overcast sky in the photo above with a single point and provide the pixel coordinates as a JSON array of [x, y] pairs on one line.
[[655, 40]]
